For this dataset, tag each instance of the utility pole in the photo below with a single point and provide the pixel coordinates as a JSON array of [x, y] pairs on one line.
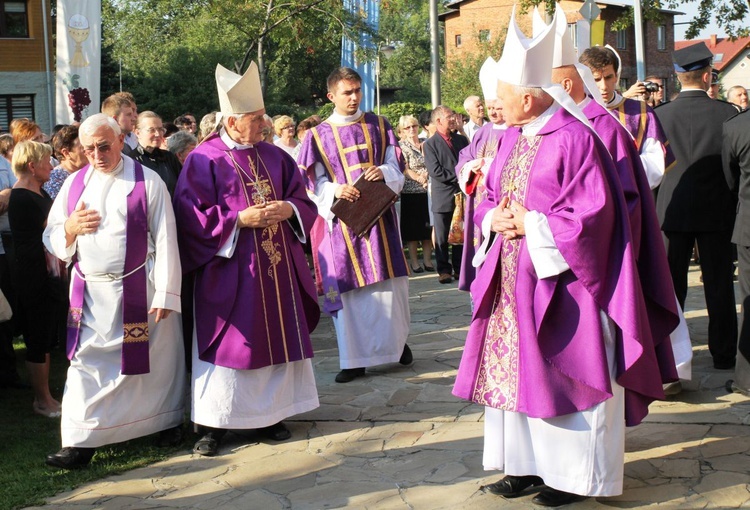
[[434, 53]]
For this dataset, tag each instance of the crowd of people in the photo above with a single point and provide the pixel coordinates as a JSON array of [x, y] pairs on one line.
[[163, 255]]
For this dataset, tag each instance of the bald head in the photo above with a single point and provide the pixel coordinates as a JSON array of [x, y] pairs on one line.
[[570, 80]]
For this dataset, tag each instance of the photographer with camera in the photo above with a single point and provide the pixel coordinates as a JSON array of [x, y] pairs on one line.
[[650, 90]]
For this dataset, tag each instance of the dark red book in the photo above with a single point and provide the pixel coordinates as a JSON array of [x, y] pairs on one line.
[[375, 198]]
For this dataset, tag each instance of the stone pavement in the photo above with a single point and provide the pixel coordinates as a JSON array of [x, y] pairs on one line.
[[398, 439]]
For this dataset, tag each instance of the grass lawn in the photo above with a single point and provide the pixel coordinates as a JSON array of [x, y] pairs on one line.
[[27, 438]]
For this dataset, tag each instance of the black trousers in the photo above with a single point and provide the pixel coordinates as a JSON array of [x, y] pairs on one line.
[[743, 260], [715, 250], [446, 263]]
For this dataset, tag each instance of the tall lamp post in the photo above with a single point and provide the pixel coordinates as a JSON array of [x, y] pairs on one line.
[[387, 51]]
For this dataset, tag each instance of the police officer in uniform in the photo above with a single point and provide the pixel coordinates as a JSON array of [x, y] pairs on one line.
[[736, 158], [694, 202]]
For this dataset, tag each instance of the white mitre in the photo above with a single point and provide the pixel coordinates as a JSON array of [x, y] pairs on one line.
[[488, 79], [239, 94], [565, 53], [528, 63]]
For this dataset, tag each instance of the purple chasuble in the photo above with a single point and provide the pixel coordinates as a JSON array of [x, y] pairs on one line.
[[135, 357], [483, 145], [641, 121], [257, 307], [648, 247], [345, 261], [535, 346]]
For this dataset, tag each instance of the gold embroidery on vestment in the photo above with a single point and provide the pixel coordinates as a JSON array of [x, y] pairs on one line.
[[497, 380]]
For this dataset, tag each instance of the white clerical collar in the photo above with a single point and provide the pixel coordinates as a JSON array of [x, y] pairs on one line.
[[231, 143], [502, 126], [116, 171], [536, 125], [615, 101], [337, 118]]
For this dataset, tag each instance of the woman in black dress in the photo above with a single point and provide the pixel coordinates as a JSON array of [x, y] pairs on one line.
[[27, 213], [415, 214]]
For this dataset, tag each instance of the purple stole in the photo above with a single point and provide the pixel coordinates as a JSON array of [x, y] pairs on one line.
[[134, 289]]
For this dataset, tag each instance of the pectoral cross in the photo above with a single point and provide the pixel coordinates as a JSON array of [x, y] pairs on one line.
[[510, 187], [331, 294]]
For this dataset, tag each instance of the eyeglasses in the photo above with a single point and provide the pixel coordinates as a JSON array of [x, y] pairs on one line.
[[288, 127], [102, 148], [415, 126], [151, 130]]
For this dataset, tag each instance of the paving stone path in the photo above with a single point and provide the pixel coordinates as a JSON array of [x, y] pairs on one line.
[[398, 439]]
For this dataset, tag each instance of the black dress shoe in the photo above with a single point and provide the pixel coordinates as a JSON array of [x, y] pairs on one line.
[[429, 269], [349, 374], [208, 445], [554, 497], [724, 364], [170, 437], [406, 357], [512, 486], [70, 458], [417, 270], [277, 432]]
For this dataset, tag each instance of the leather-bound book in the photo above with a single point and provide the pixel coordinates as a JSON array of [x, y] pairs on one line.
[[375, 198]]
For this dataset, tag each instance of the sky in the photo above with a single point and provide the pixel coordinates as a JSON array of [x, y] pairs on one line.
[[690, 10]]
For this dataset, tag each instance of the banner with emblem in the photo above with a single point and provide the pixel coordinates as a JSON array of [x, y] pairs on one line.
[[369, 11], [79, 42]]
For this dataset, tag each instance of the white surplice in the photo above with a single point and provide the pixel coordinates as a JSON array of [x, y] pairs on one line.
[[373, 324], [100, 405], [227, 398]]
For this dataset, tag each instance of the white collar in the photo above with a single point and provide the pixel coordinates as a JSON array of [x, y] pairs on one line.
[[231, 143], [337, 118], [583, 104], [536, 125], [615, 101]]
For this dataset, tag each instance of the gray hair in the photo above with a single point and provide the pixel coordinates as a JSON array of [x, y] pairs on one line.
[[180, 141], [469, 101], [208, 124], [89, 126], [536, 92]]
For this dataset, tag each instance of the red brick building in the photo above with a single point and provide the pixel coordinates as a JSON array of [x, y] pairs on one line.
[[467, 22]]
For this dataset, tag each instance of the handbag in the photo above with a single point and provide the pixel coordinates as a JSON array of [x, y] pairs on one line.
[[456, 231]]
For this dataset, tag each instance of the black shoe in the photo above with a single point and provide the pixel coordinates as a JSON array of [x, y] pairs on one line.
[[277, 432], [513, 486], [417, 270], [554, 497], [724, 365], [349, 374], [429, 269], [445, 278], [170, 437], [406, 357], [208, 445], [70, 458]]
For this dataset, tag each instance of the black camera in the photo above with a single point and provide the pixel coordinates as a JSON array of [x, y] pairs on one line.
[[651, 86]]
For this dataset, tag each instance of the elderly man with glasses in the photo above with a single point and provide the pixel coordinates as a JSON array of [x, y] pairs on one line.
[[113, 221]]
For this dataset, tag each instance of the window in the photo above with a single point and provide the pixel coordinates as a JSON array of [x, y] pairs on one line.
[[573, 34], [13, 19], [15, 107], [458, 40], [621, 40], [484, 36], [624, 85], [661, 37]]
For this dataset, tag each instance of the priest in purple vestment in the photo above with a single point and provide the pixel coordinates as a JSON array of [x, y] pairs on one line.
[[364, 279], [243, 215], [473, 163], [637, 117], [559, 349]]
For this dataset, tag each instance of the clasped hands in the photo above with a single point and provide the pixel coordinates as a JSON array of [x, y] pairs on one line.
[[350, 193], [265, 215], [507, 219]]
